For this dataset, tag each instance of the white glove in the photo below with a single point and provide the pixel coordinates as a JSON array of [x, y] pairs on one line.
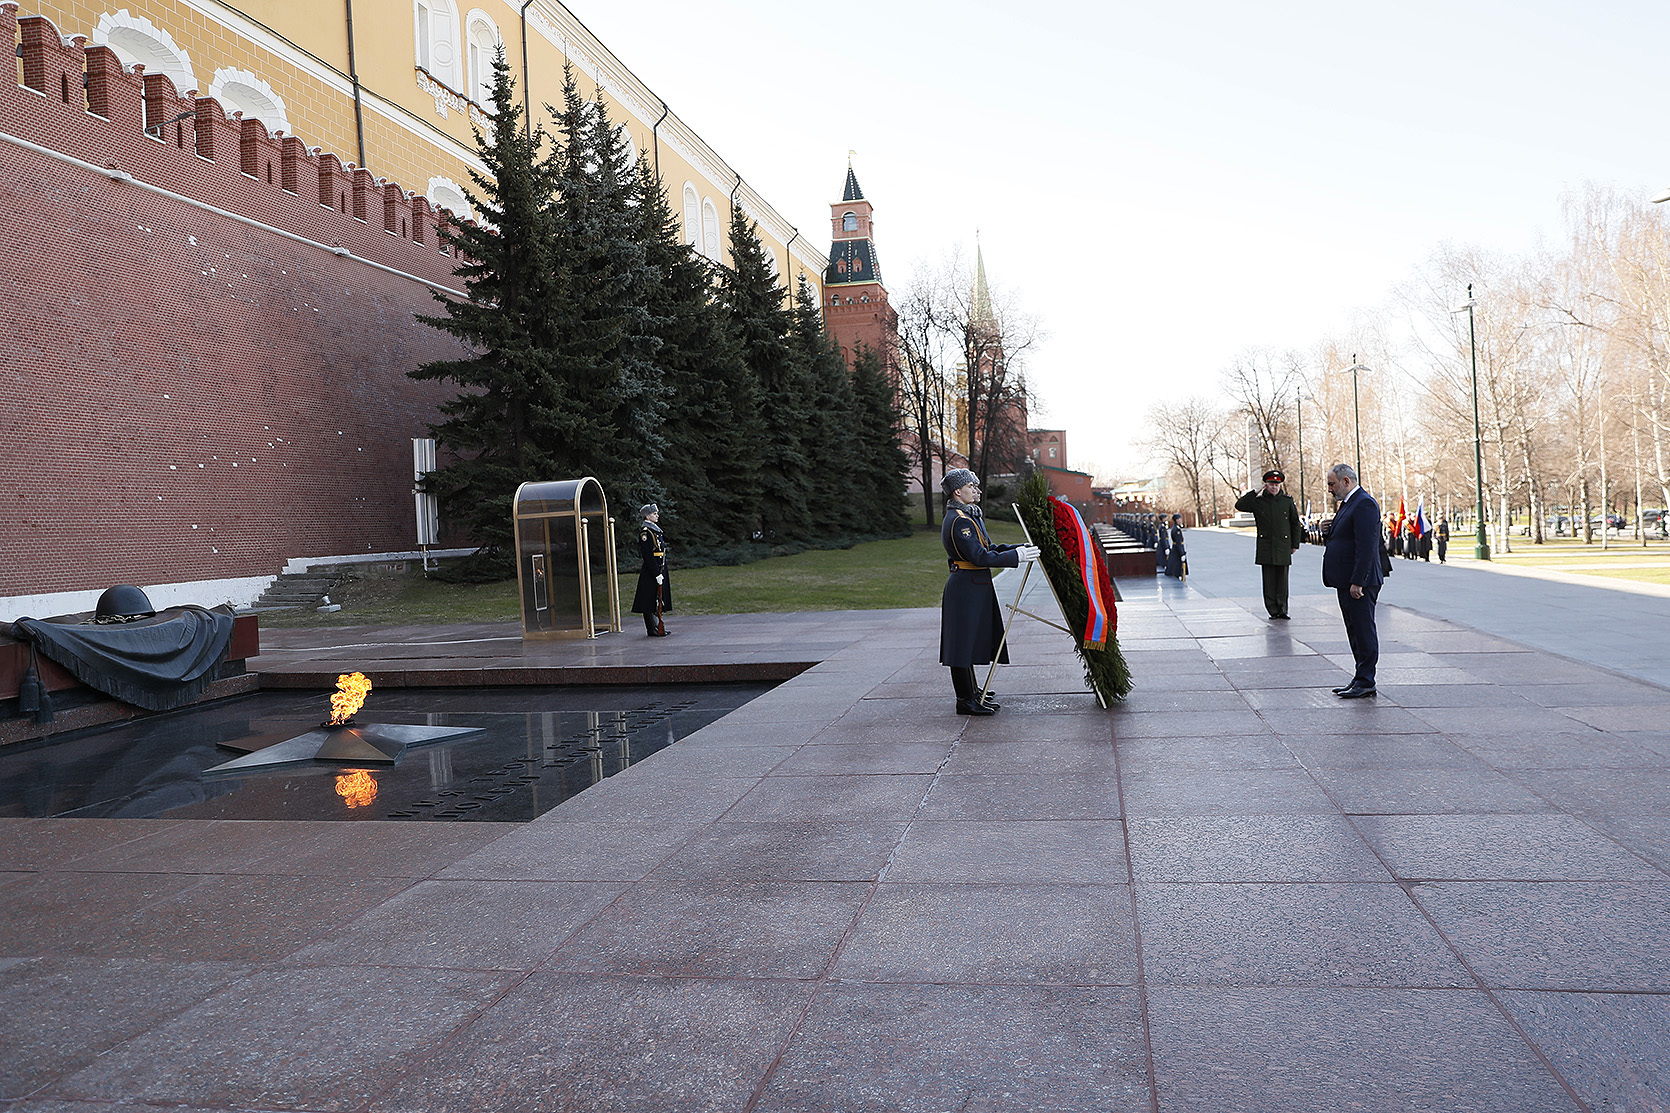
[[1027, 552], [660, 579]]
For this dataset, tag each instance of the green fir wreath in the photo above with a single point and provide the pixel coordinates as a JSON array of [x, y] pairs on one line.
[[1105, 669]]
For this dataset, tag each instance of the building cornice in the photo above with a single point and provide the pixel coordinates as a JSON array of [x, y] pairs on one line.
[[563, 30]]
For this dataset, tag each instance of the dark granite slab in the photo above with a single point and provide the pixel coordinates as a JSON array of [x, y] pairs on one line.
[[1031, 933], [998, 1049], [591, 1043], [1322, 1050]]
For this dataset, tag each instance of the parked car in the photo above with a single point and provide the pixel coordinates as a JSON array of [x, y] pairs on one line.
[[1612, 522]]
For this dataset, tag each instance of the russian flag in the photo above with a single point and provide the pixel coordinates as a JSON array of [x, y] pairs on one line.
[[1422, 526]]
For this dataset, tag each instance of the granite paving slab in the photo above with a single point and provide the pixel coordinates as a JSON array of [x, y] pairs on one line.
[[605, 1043], [1501, 847], [1557, 935], [1608, 1046], [744, 929], [1021, 796], [808, 849], [1251, 848], [997, 851], [63, 1013], [564, 849], [323, 1038], [1310, 934], [992, 933], [998, 1049], [1403, 791], [1327, 1049], [1232, 791], [466, 925]]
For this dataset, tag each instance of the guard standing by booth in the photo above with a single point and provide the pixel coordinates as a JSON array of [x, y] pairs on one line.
[[655, 591]]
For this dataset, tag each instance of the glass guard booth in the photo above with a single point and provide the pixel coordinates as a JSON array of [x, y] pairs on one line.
[[565, 560]]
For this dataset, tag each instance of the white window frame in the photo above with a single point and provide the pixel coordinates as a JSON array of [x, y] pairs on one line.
[[692, 217], [444, 193], [241, 91], [478, 56], [710, 230], [438, 52], [138, 41]]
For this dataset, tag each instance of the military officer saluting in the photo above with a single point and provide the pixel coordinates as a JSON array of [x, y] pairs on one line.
[[971, 623], [1280, 533]]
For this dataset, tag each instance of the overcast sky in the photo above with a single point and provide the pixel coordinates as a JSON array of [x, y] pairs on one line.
[[1167, 185]]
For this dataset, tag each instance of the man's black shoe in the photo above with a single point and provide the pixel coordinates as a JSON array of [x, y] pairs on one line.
[[968, 707], [1280, 617], [992, 703], [1355, 692], [1342, 689]]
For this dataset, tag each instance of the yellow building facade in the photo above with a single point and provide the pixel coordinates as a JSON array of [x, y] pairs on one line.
[[400, 85]]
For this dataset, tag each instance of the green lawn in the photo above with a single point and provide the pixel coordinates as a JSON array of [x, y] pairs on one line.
[[877, 575]]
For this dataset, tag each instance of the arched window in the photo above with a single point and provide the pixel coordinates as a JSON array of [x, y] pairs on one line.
[[692, 217], [435, 29], [136, 40], [444, 193], [849, 222], [481, 44], [710, 230], [242, 91]]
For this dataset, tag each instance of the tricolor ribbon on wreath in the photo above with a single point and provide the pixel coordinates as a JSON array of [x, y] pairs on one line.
[[1102, 620]]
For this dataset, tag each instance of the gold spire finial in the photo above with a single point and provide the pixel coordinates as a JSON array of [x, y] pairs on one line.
[[850, 153]]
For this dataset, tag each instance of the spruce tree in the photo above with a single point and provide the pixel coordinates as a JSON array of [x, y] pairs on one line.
[[588, 294], [883, 462], [713, 435], [830, 439], [501, 429], [755, 303], [626, 294]]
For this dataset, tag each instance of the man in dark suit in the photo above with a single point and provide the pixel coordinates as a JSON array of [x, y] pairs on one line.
[[1351, 565], [1280, 532]]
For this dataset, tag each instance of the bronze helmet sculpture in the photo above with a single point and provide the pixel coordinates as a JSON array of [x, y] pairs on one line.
[[123, 603]]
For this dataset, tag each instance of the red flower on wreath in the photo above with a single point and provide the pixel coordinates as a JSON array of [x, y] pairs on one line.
[[1068, 525]]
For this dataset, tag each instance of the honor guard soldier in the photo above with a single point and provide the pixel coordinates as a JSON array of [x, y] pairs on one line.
[[971, 623], [655, 592]]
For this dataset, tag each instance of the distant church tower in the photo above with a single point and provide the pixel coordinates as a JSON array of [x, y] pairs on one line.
[[855, 310]]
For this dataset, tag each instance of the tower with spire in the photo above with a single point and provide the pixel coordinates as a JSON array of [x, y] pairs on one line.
[[855, 310]]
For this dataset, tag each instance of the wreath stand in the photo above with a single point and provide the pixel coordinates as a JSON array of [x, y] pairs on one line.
[[1015, 608]]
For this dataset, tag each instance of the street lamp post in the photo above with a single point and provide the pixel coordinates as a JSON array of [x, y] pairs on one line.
[[1481, 547], [1356, 413], [1299, 409]]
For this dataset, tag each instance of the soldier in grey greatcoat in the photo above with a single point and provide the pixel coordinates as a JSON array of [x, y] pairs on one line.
[[971, 623]]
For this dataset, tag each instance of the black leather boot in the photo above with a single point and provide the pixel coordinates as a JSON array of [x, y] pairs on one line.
[[968, 696]]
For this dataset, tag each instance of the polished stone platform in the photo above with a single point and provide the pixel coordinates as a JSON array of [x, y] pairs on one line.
[[1234, 892]]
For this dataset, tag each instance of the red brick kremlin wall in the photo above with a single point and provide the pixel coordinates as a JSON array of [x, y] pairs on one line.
[[185, 397]]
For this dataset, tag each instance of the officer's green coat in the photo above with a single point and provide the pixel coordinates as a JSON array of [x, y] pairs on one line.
[[1280, 530]]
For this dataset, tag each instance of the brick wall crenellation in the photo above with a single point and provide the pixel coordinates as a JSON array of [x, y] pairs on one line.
[[189, 397]]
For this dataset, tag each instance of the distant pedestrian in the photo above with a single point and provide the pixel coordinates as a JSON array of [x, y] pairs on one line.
[[971, 623], [1351, 565], [1442, 537], [1280, 533], [1175, 555], [654, 596]]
